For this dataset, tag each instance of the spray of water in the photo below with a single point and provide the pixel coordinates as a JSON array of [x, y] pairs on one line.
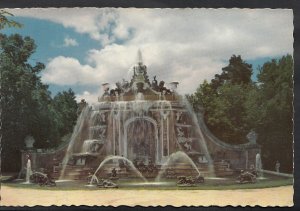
[[112, 158], [258, 166], [78, 127], [200, 133], [174, 158], [28, 171]]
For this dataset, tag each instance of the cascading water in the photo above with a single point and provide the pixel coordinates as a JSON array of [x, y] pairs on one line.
[[76, 131], [201, 139], [86, 146], [173, 159], [112, 158]]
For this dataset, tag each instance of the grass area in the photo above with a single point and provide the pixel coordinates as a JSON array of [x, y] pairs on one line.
[[209, 185]]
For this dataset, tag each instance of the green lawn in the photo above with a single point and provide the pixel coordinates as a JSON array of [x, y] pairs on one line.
[[207, 185]]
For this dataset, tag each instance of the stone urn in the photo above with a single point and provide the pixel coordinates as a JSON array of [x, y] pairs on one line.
[[252, 137], [29, 141], [173, 86]]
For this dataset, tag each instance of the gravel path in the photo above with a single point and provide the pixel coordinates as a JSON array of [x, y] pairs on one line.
[[280, 196]]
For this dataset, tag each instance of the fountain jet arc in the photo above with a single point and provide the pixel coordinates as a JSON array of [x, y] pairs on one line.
[[112, 158], [174, 158]]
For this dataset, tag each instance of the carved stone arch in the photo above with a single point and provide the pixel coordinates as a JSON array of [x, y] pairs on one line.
[[158, 153]]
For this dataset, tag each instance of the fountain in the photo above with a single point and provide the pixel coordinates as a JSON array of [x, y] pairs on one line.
[[150, 128], [112, 158], [258, 166], [76, 131], [173, 159], [201, 140]]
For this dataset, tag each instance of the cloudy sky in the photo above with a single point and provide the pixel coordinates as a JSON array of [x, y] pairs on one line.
[[83, 48]]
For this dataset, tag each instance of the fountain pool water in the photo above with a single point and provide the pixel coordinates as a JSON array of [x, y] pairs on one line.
[[149, 184]]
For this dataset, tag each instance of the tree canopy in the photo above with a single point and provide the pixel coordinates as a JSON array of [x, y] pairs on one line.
[[26, 103], [6, 22], [233, 105]]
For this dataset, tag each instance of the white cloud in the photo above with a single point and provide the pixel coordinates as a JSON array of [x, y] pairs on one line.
[[89, 97], [184, 45], [92, 21], [70, 42], [67, 71]]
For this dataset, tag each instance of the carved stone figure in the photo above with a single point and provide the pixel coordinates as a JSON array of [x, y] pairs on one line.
[[102, 132], [246, 177], [114, 172], [42, 179], [180, 133], [188, 145], [252, 136], [125, 84], [178, 116], [190, 181], [106, 183]]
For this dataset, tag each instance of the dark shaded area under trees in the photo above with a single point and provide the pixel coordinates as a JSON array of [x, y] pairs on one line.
[[27, 107], [233, 105]]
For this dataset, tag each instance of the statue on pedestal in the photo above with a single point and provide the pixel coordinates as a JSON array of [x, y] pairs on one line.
[[252, 137], [29, 141]]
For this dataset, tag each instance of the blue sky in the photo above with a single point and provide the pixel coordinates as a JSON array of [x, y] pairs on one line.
[[49, 38], [83, 48]]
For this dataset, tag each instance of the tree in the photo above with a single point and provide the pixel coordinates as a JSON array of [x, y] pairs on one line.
[[5, 22], [66, 106], [237, 72], [223, 101], [275, 122], [26, 103], [18, 82], [233, 105]]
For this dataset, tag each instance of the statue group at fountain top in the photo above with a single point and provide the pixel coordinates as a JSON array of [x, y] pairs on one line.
[[120, 88], [160, 87]]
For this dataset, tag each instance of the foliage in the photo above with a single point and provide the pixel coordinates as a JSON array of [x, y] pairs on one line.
[[223, 101], [5, 22], [275, 121], [26, 103], [65, 104], [237, 72], [233, 105]]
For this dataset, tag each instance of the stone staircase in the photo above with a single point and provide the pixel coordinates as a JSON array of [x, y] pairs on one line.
[[222, 168], [184, 169], [80, 172], [75, 172]]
